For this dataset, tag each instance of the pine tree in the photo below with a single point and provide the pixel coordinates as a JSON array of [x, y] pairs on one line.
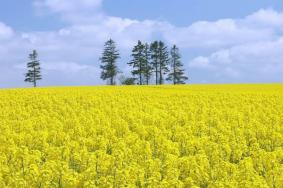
[[177, 73], [138, 61], [33, 74], [147, 69], [109, 62], [154, 59], [159, 60], [163, 57]]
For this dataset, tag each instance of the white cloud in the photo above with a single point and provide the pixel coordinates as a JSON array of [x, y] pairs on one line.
[[6, 32], [74, 11], [218, 34], [254, 61], [65, 66], [201, 62], [266, 18], [232, 73], [69, 5], [222, 56]]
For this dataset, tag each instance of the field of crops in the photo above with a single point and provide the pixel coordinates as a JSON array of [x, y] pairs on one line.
[[135, 136]]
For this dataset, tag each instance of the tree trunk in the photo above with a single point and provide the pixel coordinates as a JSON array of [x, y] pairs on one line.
[[160, 76], [174, 68], [156, 74], [140, 73], [112, 81], [34, 81], [160, 73]]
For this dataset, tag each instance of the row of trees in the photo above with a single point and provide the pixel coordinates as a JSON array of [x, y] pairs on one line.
[[148, 61]]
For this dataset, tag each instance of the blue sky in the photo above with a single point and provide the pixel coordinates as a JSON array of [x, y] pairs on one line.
[[221, 41]]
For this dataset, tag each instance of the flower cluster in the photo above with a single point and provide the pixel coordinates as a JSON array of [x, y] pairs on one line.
[[146, 136]]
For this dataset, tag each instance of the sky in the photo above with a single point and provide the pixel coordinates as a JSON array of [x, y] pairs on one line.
[[221, 41]]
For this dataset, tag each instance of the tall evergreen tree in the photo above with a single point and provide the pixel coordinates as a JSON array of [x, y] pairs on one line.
[[147, 69], [159, 60], [177, 73], [154, 54], [33, 73], [163, 57], [138, 62], [109, 59], [141, 63]]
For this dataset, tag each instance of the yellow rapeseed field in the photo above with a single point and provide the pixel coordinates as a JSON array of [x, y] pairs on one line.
[[142, 136]]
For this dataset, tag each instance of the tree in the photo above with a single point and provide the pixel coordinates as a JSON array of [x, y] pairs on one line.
[[177, 73], [124, 80], [141, 63], [154, 59], [160, 60], [163, 56], [138, 61], [33, 74], [128, 81], [147, 68], [109, 60]]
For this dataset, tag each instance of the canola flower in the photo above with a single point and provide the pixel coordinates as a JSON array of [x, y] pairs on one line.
[[142, 136]]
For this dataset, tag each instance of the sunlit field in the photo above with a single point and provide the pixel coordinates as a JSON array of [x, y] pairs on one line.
[[142, 136]]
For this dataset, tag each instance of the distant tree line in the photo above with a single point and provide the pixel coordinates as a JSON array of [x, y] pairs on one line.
[[148, 62]]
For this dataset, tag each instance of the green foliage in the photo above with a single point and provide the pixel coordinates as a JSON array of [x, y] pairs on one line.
[[177, 72], [147, 66], [109, 62], [154, 59], [160, 60], [33, 73], [128, 81], [140, 63], [146, 61]]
